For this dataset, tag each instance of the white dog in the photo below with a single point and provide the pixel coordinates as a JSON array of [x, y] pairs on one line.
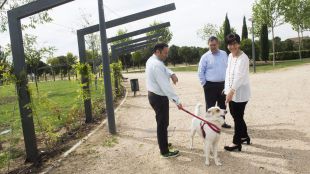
[[211, 135]]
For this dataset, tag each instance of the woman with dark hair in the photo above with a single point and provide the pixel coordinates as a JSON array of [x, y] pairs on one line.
[[237, 90]]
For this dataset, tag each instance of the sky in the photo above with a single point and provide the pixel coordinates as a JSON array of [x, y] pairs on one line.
[[186, 20]]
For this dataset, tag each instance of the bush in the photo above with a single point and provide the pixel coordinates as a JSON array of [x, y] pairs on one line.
[[246, 47], [290, 55]]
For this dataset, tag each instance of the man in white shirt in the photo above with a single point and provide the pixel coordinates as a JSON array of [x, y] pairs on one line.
[[160, 91]]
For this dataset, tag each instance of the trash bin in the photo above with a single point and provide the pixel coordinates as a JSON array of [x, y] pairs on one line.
[[134, 85]]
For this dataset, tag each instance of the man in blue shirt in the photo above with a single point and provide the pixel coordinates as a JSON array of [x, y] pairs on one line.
[[211, 72]]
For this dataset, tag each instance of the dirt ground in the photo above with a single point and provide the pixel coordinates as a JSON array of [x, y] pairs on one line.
[[277, 117]]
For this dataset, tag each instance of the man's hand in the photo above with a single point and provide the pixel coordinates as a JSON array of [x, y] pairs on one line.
[[174, 79], [180, 106], [229, 96]]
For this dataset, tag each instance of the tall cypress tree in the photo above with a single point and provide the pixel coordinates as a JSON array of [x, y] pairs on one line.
[[226, 31], [264, 43], [244, 29]]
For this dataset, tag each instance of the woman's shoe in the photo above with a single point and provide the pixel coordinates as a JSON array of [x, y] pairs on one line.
[[233, 148], [247, 140]]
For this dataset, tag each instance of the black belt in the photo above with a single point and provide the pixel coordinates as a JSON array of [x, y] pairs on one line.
[[211, 83], [153, 94]]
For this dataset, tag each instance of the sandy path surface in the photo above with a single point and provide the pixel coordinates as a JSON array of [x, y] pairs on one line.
[[278, 122]]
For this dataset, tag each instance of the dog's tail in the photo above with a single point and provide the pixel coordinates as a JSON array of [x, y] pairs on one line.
[[197, 109]]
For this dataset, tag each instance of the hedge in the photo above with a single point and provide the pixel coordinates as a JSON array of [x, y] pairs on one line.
[[290, 55]]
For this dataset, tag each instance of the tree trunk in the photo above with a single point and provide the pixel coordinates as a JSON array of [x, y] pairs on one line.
[[45, 77], [273, 48], [36, 82], [299, 45], [96, 82], [302, 38], [32, 75], [69, 76], [53, 74]]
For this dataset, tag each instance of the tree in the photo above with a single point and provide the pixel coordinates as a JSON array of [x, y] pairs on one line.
[[207, 31], [173, 55], [264, 43], [70, 61], [93, 58], [186, 54], [227, 30], [244, 29], [246, 47], [165, 33], [62, 65], [195, 55], [123, 57], [121, 32], [288, 45], [55, 66], [296, 12], [278, 44], [33, 55], [93, 43], [268, 12], [220, 36], [39, 18], [137, 57], [4, 63]]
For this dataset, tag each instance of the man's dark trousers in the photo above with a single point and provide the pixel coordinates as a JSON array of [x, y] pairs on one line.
[[214, 93], [160, 104]]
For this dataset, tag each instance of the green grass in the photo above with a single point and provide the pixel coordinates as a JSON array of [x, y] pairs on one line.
[[259, 68], [62, 94], [280, 65], [110, 141], [184, 69]]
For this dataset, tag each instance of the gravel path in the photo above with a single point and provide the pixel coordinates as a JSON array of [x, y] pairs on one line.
[[277, 117]]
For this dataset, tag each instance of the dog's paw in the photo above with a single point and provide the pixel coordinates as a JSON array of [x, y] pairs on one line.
[[191, 147], [207, 163]]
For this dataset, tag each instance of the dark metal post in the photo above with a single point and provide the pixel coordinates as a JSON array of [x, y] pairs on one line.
[[22, 88], [84, 79], [14, 17], [106, 69]]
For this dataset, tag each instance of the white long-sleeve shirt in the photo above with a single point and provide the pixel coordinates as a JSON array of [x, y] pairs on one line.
[[158, 79], [237, 78]]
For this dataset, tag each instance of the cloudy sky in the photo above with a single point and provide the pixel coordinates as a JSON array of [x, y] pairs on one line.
[[189, 17]]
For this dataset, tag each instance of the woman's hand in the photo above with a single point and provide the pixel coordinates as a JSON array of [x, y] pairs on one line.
[[229, 96]]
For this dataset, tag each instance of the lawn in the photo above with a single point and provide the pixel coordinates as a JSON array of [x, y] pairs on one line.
[[280, 65], [62, 94], [259, 68]]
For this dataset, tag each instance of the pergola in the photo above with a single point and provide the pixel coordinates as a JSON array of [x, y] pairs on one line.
[[16, 15]]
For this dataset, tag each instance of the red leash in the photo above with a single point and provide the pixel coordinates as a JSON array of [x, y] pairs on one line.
[[211, 125]]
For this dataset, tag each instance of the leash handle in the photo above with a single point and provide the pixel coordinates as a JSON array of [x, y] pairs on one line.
[[207, 122]]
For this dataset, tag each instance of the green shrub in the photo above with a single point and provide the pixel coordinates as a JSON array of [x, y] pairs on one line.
[[246, 47]]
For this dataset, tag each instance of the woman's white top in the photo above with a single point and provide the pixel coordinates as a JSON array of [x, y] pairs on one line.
[[237, 78]]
